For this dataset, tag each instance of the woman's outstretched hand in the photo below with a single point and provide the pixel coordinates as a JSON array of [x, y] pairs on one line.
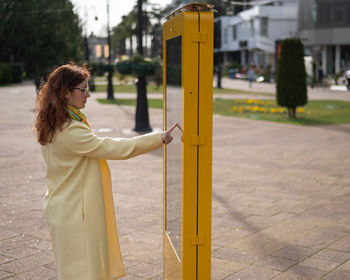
[[166, 135]]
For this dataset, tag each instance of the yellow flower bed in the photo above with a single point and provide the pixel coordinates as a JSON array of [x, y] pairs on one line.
[[262, 106]]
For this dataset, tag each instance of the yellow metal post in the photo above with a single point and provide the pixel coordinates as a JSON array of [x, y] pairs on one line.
[[205, 116], [194, 31]]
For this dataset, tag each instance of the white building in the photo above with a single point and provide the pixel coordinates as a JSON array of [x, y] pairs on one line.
[[251, 35], [98, 48], [324, 28]]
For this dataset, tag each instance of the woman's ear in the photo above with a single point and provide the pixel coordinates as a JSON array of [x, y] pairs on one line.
[[68, 95]]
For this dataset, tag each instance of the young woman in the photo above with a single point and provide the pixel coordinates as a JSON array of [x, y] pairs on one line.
[[78, 204]]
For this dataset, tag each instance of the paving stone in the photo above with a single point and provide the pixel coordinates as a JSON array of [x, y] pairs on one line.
[[332, 256], [5, 259], [129, 262], [341, 245], [291, 276], [255, 219], [340, 227], [19, 252], [21, 240], [294, 252], [28, 263], [306, 271], [259, 243], [38, 274], [4, 274], [5, 234], [131, 277], [236, 255], [338, 275], [229, 237], [319, 264], [345, 266], [223, 268], [321, 239], [144, 270], [253, 273], [276, 263], [157, 277]]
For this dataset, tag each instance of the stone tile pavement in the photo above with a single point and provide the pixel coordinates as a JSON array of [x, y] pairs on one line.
[[280, 197]]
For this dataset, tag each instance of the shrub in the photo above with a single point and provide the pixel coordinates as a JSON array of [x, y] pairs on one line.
[[233, 65], [291, 88], [158, 70], [137, 58], [124, 67], [108, 68], [17, 72], [5, 76]]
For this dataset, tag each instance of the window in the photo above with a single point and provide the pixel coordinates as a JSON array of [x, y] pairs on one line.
[[252, 31], [234, 32], [263, 26], [338, 15], [98, 50], [333, 14], [225, 35], [106, 51], [243, 44]]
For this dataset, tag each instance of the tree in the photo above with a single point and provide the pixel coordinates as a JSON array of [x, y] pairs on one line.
[[40, 34], [126, 29], [157, 40], [119, 35], [291, 86]]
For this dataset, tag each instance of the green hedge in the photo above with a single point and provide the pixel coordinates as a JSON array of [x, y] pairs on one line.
[[11, 73], [17, 72], [5, 74], [99, 68], [291, 90]]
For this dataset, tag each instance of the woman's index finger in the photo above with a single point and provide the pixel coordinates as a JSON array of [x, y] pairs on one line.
[[179, 127], [172, 128]]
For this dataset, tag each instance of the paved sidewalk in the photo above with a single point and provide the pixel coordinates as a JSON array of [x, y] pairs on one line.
[[280, 197], [316, 93]]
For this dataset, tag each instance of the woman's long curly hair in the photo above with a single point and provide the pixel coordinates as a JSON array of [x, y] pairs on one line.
[[52, 113]]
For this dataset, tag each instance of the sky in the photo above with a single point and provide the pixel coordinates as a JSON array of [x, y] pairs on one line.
[[89, 9]]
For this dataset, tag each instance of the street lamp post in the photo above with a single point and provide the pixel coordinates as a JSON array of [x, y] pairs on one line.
[[110, 94], [141, 119]]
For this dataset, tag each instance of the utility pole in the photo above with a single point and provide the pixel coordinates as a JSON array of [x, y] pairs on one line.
[[141, 119], [110, 94]]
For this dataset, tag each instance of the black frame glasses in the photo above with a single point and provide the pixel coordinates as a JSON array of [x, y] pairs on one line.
[[83, 90]]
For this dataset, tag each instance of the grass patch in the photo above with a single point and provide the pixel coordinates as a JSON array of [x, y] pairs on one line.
[[314, 113], [128, 88], [154, 89], [240, 91], [152, 103]]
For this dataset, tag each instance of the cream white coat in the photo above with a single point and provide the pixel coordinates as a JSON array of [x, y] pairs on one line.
[[79, 205]]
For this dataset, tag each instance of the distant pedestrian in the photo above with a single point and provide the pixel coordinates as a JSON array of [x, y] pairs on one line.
[[320, 76], [78, 204], [347, 77], [218, 70], [251, 74]]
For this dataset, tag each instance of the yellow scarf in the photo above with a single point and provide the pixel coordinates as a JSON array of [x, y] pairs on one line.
[[76, 114]]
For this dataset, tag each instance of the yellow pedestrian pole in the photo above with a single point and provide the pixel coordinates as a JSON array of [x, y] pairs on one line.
[[188, 100]]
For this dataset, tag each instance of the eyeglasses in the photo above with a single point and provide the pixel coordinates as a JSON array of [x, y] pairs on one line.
[[83, 90]]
